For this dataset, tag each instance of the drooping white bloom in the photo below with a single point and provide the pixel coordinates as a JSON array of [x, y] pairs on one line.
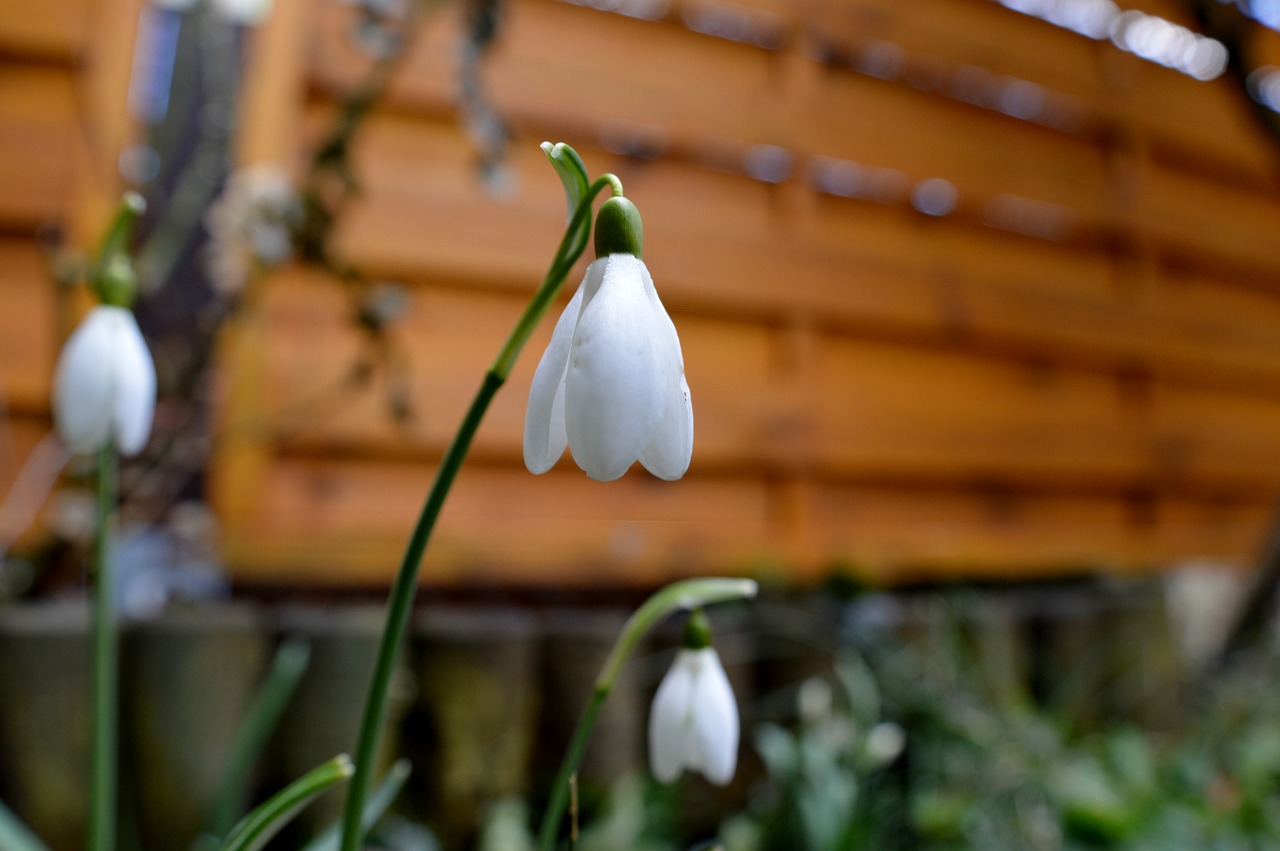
[[105, 384], [611, 383], [694, 721]]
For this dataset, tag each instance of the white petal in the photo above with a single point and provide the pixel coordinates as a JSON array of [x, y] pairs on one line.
[[661, 311], [667, 455], [544, 434], [669, 719], [712, 742], [135, 401], [83, 386], [619, 373]]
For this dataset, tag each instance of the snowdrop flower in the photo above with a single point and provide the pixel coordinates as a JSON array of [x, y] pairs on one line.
[[694, 721], [105, 384], [611, 383]]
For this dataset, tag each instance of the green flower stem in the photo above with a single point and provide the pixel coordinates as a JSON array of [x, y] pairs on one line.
[[685, 594], [406, 581], [115, 240], [105, 671]]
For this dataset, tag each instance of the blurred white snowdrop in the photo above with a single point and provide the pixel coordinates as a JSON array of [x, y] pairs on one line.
[[105, 384], [611, 383], [250, 224], [693, 724]]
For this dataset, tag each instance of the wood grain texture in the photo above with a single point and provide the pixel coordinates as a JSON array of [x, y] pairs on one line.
[[1076, 368]]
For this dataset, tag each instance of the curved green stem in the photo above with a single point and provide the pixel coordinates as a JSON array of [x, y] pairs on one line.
[[116, 238], [105, 673], [406, 581], [685, 594], [257, 828]]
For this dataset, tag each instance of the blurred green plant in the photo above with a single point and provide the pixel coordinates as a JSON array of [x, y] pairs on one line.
[[827, 787], [975, 765]]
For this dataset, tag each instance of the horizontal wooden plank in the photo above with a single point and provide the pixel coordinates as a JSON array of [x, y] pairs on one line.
[[904, 535], [37, 137], [883, 409], [49, 29], [346, 523], [28, 327], [922, 135], [1207, 223]]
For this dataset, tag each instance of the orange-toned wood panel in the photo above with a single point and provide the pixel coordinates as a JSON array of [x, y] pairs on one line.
[[47, 29], [897, 535], [1196, 123], [1224, 224], [38, 135], [888, 124], [347, 522], [882, 409], [28, 328]]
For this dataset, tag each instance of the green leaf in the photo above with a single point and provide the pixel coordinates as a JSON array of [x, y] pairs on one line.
[[16, 836], [377, 805], [572, 171], [256, 829], [264, 715], [860, 688]]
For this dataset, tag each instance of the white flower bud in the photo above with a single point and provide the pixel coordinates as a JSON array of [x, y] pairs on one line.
[[694, 721], [105, 384]]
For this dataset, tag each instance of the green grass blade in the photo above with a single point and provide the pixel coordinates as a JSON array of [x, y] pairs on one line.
[[287, 669], [256, 829], [375, 808]]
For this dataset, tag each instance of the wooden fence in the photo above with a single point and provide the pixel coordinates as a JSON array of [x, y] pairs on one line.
[[960, 292]]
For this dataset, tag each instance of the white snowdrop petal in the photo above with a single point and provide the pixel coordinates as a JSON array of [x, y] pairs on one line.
[[667, 455], [618, 374], [135, 401], [669, 719], [544, 433], [83, 385], [714, 735], [664, 318]]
